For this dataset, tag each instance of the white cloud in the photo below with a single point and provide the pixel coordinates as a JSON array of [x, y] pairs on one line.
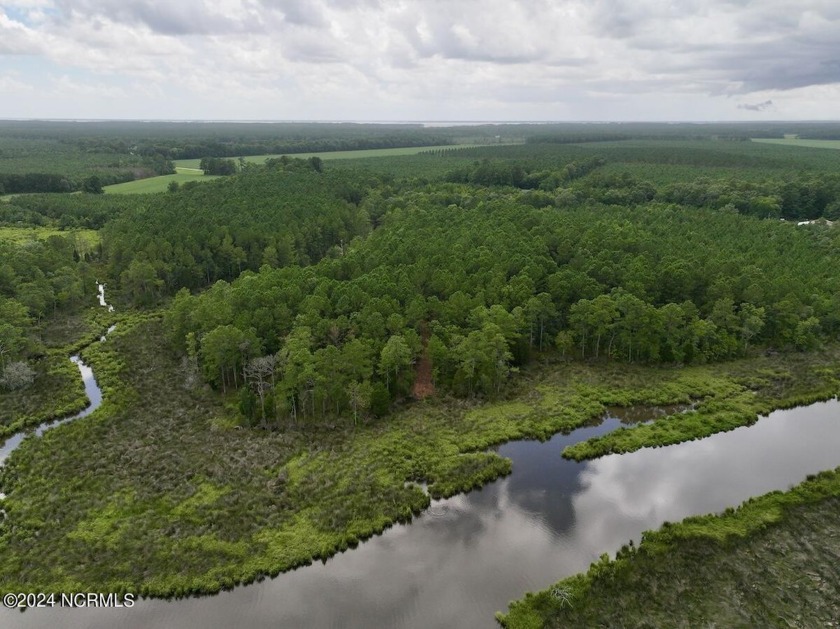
[[10, 84], [17, 39], [470, 58]]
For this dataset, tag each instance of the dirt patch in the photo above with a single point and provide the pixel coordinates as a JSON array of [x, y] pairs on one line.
[[423, 385]]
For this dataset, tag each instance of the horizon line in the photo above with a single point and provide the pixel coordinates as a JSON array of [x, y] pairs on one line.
[[417, 121]]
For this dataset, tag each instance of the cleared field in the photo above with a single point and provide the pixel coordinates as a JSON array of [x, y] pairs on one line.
[[18, 235], [158, 184], [814, 144], [8, 197], [411, 150]]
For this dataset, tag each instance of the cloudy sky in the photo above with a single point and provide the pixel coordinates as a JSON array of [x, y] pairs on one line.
[[420, 60]]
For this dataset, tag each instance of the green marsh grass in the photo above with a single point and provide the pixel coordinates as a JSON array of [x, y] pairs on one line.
[[86, 238]]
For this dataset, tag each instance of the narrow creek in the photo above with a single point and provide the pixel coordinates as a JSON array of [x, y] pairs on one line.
[[94, 395], [466, 557], [91, 390]]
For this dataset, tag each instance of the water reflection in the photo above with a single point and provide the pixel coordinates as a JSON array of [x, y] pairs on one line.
[[644, 414], [468, 556]]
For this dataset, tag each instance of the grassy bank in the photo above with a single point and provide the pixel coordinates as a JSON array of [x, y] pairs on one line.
[[58, 391], [746, 390], [770, 563], [160, 492]]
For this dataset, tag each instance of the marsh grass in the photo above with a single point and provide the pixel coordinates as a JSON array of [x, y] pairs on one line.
[[726, 397], [57, 391], [86, 239]]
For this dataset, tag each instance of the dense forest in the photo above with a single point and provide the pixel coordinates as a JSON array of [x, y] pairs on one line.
[[39, 280], [468, 274], [56, 156], [285, 213], [478, 281]]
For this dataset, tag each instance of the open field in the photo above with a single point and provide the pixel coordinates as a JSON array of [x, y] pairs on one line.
[[814, 144], [188, 169], [25, 234], [411, 150], [159, 184]]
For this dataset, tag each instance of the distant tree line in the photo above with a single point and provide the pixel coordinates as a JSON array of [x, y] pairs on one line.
[[194, 149], [12, 183]]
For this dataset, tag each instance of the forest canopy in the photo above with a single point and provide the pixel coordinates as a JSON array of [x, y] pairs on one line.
[[480, 279], [321, 289]]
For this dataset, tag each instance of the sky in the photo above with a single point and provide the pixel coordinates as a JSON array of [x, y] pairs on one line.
[[383, 60]]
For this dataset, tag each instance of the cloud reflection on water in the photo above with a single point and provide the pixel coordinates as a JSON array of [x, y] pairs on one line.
[[469, 555]]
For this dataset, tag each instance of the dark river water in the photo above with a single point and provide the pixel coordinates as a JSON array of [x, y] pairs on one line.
[[466, 557]]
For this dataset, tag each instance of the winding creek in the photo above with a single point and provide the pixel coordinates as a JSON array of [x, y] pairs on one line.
[[466, 557], [94, 395]]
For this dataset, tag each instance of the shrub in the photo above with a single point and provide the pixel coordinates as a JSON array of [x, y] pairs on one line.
[[17, 375]]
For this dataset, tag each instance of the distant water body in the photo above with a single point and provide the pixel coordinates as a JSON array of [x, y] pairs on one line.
[[420, 123]]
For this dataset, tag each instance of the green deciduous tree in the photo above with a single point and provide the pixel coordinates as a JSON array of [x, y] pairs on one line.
[[395, 356]]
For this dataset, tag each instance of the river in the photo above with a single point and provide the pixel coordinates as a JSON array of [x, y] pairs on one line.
[[466, 557]]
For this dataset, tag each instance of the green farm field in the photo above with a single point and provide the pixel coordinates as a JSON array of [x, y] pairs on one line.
[[411, 150], [814, 144], [188, 170], [159, 184]]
